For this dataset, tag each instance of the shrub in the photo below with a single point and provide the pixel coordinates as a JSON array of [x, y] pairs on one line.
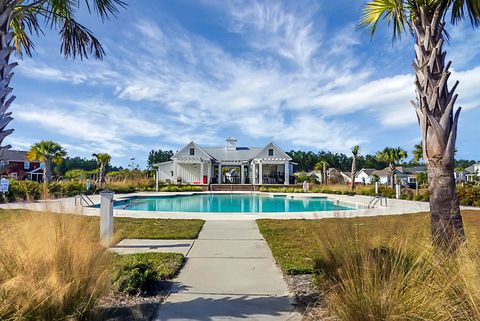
[[51, 268], [468, 194], [66, 189], [139, 273], [135, 277], [55, 189], [24, 190], [182, 188], [73, 188]]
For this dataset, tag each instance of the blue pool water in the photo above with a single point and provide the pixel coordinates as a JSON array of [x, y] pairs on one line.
[[233, 203]]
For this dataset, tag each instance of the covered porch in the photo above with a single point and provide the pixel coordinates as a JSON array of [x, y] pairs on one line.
[[231, 172], [271, 171], [192, 170]]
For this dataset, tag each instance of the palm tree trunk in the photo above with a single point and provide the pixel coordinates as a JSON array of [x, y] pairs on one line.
[[438, 125], [100, 175], [391, 167], [47, 173], [353, 173], [446, 219], [5, 71]]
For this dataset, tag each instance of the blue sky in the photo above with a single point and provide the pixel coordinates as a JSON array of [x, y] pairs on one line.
[[293, 72]]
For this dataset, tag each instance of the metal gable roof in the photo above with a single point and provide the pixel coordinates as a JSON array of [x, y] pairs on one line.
[[240, 154]]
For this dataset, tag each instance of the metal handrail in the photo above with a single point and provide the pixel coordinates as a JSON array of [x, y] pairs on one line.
[[376, 199], [83, 198]]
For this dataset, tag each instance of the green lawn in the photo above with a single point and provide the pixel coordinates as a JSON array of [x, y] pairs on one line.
[[134, 228], [296, 244]]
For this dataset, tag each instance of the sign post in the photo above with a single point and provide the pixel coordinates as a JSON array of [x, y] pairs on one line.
[[106, 217], [4, 184], [397, 191]]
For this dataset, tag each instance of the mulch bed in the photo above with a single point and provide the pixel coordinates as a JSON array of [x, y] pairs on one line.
[[141, 307], [309, 298]]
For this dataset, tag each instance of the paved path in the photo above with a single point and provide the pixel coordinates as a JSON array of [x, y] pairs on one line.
[[230, 274]]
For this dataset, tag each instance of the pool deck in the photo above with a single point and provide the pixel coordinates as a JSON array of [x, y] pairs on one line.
[[394, 207]]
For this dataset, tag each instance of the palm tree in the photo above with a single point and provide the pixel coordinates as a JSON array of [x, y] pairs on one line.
[[434, 105], [418, 153], [20, 19], [392, 156], [103, 159], [355, 150], [420, 179], [322, 165], [49, 153]]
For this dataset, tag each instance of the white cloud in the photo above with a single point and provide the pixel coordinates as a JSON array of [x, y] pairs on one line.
[[290, 84], [284, 28], [101, 125], [89, 72]]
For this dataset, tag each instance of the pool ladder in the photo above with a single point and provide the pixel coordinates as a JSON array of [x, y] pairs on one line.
[[377, 199], [83, 200]]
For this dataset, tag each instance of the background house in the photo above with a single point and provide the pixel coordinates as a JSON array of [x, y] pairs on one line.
[[14, 164], [364, 176], [405, 175], [472, 173], [316, 175]]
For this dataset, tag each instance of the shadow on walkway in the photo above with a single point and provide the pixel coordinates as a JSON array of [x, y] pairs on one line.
[[220, 307]]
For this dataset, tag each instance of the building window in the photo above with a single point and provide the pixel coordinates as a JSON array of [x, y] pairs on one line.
[[270, 152], [192, 151]]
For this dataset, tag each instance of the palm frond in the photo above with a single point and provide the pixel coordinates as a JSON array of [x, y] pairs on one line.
[[56, 11], [105, 8], [78, 40], [395, 12], [463, 8], [24, 21]]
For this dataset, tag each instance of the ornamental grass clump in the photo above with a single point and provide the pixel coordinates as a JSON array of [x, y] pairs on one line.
[[51, 268], [394, 273]]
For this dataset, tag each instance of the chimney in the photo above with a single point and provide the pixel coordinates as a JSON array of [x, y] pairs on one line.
[[231, 143]]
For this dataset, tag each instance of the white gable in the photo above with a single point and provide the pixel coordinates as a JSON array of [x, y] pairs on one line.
[[198, 152], [272, 151]]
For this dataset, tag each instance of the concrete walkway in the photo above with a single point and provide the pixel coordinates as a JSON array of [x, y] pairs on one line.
[[230, 274], [132, 246]]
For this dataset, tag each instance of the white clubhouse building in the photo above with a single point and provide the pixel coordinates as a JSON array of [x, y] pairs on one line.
[[228, 165]]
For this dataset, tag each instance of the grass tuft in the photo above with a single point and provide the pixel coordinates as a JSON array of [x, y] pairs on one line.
[[382, 268], [51, 268]]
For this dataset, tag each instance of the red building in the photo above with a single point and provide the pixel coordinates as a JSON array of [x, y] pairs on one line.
[[14, 164]]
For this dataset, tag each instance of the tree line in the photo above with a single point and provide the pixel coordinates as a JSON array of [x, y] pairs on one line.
[[306, 161]]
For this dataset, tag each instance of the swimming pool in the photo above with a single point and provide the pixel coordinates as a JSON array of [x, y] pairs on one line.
[[228, 203]]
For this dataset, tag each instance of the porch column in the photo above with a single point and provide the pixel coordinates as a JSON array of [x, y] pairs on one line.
[[287, 173], [201, 172], [219, 174], [242, 174], [175, 171], [260, 173], [209, 171], [252, 172], [157, 173]]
